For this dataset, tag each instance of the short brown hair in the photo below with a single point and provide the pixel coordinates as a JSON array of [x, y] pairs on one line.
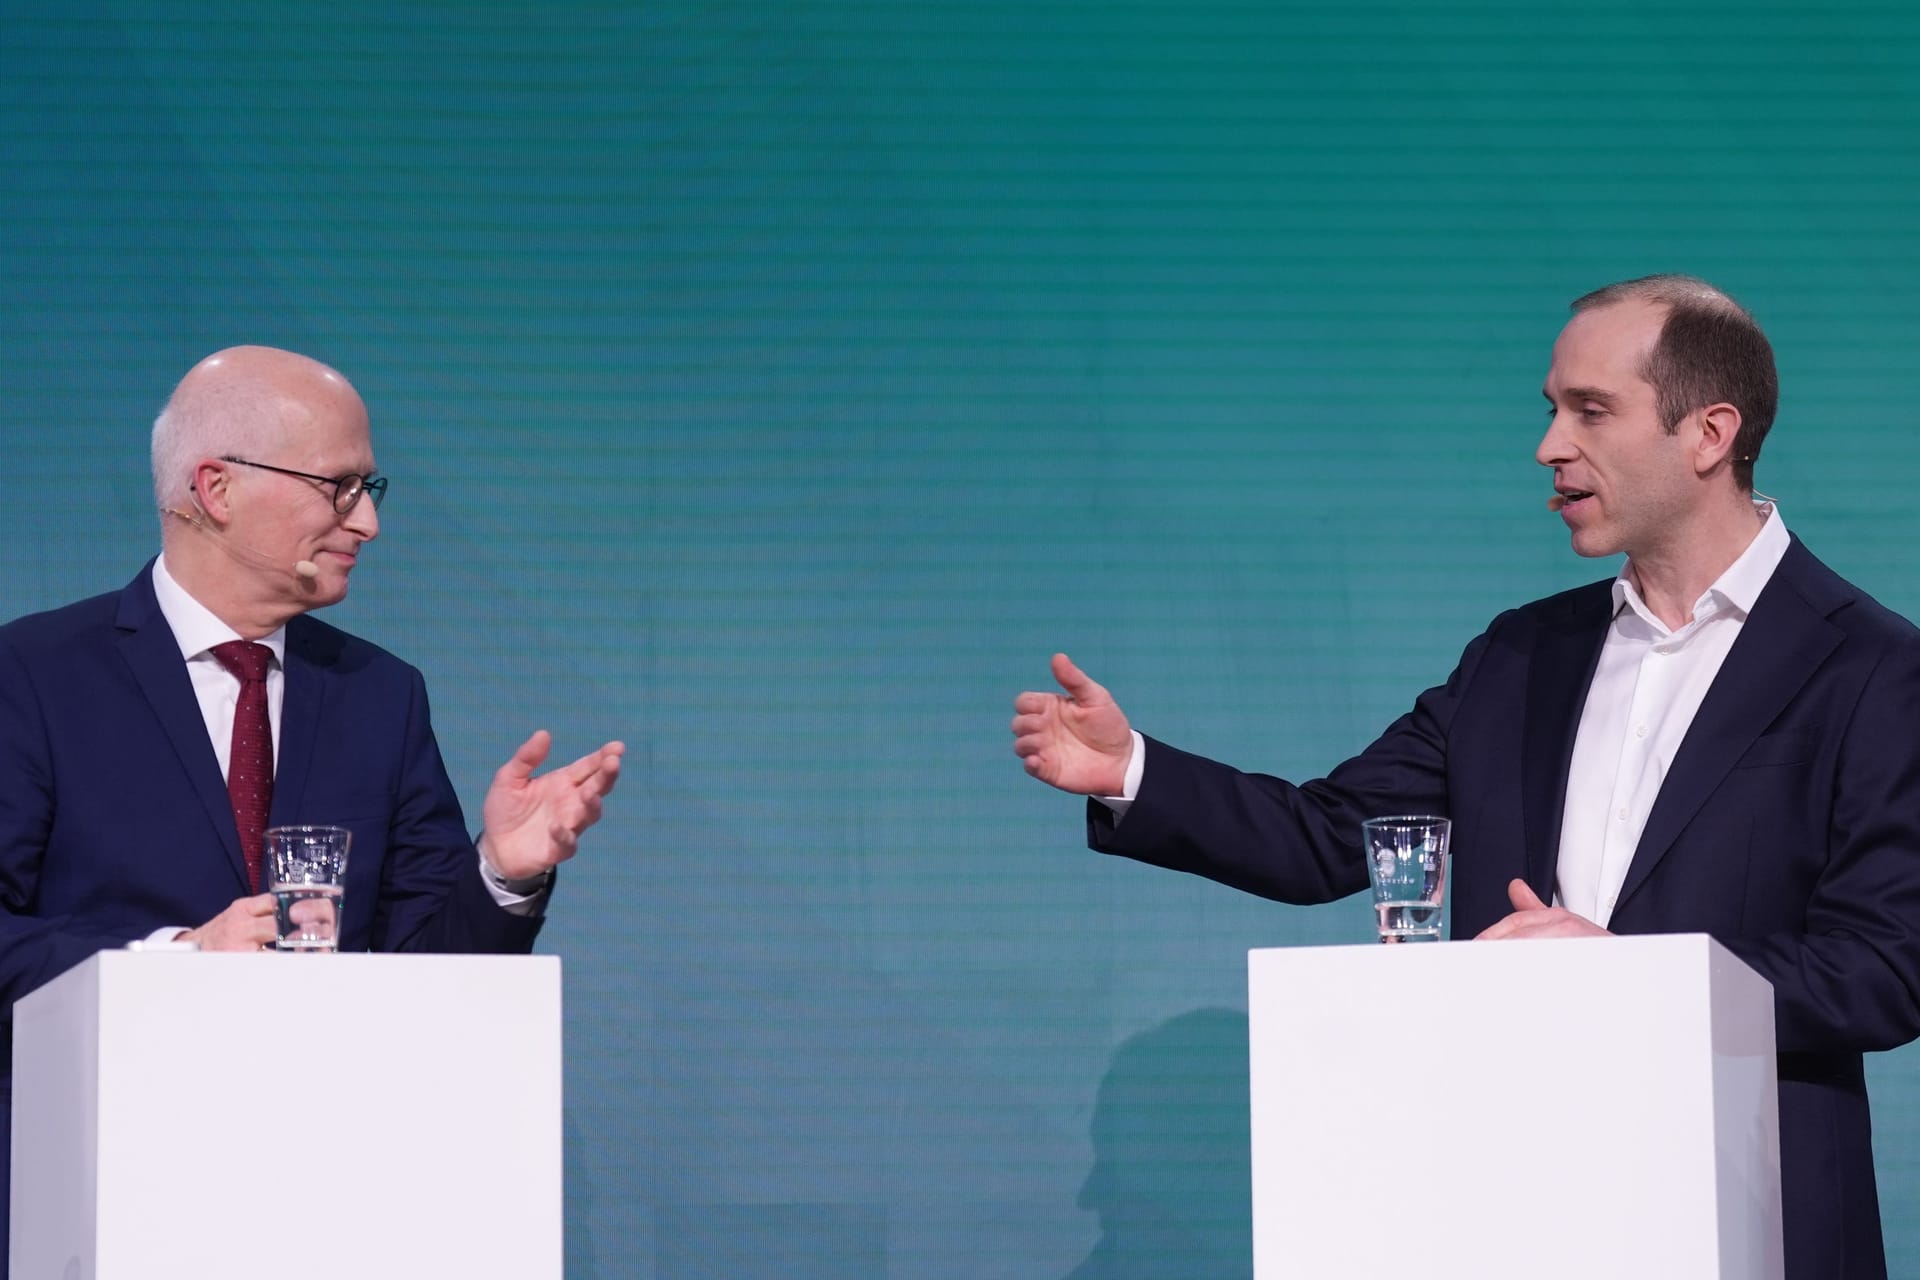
[[1710, 350]]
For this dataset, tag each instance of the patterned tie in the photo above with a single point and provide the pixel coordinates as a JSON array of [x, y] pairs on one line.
[[250, 762]]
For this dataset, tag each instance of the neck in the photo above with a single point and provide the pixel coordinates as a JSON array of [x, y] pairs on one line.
[[1674, 574], [220, 586]]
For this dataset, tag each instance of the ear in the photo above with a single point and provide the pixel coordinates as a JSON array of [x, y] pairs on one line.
[[1719, 425], [212, 490]]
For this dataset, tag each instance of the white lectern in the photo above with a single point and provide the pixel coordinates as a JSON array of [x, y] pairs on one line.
[[1575, 1108], [227, 1117]]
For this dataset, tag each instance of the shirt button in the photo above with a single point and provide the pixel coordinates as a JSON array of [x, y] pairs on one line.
[[1639, 731], [1622, 814]]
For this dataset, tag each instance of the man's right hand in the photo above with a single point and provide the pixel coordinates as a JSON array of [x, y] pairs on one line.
[[247, 925], [1079, 741]]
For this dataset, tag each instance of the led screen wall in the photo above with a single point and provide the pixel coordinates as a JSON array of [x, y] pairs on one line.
[[777, 384]]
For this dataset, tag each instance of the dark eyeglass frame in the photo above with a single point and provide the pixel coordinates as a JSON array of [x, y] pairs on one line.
[[347, 488]]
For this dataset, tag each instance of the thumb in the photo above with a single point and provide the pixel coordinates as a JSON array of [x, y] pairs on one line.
[[1080, 686], [1523, 898], [527, 757]]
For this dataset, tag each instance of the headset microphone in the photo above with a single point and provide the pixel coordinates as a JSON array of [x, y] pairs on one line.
[[1556, 502], [305, 570]]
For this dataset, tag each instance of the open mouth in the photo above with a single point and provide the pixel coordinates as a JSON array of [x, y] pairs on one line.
[[1572, 497]]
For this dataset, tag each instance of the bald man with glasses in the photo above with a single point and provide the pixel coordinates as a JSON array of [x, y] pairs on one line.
[[131, 723]]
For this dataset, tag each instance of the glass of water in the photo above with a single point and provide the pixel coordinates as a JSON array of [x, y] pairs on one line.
[[1407, 863], [307, 867]]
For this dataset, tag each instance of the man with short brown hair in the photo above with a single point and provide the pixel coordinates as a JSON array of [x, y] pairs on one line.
[[1720, 739]]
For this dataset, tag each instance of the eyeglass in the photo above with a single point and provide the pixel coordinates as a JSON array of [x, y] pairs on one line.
[[346, 489]]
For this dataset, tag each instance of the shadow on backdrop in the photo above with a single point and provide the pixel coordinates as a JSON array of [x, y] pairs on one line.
[[1171, 1176]]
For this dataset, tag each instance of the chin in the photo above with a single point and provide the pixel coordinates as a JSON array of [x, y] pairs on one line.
[[326, 590], [1593, 546]]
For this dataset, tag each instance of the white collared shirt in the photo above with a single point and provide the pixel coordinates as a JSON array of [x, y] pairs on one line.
[[1645, 692], [196, 630]]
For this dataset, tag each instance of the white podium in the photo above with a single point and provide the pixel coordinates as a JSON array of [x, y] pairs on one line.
[[1581, 1109], [227, 1117]]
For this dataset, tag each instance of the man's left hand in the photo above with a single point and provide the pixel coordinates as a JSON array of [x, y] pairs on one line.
[[534, 824], [1533, 918]]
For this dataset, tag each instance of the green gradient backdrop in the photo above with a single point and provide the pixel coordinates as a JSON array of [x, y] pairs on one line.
[[777, 383]]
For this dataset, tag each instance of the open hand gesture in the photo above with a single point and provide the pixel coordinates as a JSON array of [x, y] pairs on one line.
[[1078, 741], [532, 823]]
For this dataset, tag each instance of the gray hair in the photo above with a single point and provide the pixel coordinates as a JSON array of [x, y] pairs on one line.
[[210, 419]]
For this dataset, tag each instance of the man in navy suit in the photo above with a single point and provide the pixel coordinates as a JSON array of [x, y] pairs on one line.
[[1722, 739], [117, 720]]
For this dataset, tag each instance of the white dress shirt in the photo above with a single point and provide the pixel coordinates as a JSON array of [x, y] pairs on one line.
[[196, 630], [1649, 684], [1645, 692]]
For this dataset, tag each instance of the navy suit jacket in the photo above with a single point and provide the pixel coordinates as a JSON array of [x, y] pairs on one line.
[[1787, 827], [115, 820]]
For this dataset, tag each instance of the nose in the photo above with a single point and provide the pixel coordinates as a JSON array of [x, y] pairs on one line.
[[364, 520], [1556, 446]]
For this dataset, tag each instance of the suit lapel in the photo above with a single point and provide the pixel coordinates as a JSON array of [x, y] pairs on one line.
[[1565, 654], [301, 707], [1784, 641], [148, 646]]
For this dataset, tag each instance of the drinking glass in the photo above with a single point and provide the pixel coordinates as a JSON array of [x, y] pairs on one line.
[[1407, 863], [308, 870]]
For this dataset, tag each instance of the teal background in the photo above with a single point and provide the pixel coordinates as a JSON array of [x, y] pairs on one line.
[[776, 384]]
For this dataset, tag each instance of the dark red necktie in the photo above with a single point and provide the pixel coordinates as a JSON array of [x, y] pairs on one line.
[[250, 762]]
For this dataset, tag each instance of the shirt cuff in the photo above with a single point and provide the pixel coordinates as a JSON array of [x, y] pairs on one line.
[[516, 897], [1130, 786]]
